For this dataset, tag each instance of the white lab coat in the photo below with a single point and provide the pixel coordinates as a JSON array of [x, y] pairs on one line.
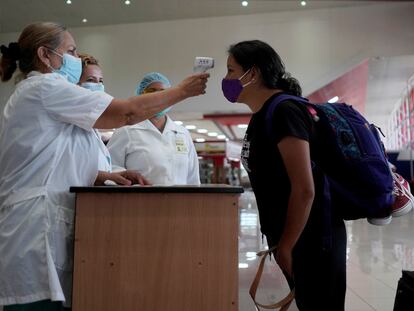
[[47, 145], [167, 158], [104, 157]]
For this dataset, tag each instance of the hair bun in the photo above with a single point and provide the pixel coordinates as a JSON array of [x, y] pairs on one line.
[[11, 52]]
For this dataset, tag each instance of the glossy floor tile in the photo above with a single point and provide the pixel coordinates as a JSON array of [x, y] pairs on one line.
[[375, 257]]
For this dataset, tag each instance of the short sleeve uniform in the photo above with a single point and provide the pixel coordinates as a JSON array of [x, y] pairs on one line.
[[47, 145]]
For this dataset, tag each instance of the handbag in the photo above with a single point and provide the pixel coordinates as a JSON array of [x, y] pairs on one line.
[[284, 303]]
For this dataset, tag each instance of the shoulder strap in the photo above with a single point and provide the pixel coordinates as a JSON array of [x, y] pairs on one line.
[[281, 98], [282, 304]]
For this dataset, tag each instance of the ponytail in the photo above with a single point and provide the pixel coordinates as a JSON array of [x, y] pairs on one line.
[[289, 85], [23, 53], [8, 61]]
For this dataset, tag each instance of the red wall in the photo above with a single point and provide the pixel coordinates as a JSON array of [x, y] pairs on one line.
[[351, 88]]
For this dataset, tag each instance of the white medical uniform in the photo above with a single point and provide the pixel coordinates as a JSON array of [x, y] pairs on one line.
[[47, 145], [104, 157], [167, 158]]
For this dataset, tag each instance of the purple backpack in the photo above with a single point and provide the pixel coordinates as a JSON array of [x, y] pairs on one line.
[[357, 173]]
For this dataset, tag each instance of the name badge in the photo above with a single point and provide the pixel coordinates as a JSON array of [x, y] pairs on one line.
[[180, 146]]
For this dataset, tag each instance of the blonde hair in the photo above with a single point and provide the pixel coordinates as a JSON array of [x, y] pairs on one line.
[[88, 60], [24, 51]]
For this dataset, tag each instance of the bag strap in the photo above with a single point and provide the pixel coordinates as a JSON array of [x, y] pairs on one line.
[[282, 97], [282, 304]]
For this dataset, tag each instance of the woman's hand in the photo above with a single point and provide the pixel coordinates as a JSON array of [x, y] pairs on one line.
[[283, 257], [124, 178], [194, 85], [134, 177]]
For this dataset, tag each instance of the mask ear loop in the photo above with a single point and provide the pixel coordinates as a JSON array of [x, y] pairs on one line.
[[248, 83], [56, 53], [245, 74]]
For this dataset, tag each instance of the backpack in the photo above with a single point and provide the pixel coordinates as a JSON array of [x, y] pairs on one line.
[[359, 178]]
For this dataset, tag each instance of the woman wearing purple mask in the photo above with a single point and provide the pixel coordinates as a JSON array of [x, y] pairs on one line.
[[288, 188]]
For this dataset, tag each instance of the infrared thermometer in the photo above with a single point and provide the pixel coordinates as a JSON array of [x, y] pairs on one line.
[[202, 64]]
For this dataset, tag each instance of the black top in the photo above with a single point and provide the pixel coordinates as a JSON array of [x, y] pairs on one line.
[[263, 162]]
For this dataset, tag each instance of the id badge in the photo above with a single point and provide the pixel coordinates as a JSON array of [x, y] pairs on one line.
[[180, 146]]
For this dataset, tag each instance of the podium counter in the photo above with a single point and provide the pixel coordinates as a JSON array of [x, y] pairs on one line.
[[156, 248]]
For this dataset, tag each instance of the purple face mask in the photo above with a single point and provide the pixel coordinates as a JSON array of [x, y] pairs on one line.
[[233, 87]]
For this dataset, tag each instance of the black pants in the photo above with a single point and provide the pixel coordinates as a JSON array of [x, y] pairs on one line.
[[43, 305], [319, 272]]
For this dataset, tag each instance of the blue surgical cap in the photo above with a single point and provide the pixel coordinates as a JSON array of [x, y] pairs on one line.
[[150, 78]]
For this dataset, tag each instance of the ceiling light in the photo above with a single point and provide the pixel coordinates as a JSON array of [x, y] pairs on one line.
[[84, 20], [245, 3], [178, 122], [333, 99], [127, 2], [68, 1], [221, 136], [202, 131], [303, 3], [200, 140], [212, 134], [242, 126], [190, 127], [243, 265]]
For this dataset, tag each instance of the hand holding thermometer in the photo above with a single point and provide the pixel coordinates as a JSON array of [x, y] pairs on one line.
[[202, 64]]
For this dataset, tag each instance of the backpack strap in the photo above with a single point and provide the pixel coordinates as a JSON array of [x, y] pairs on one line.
[[281, 98], [282, 304]]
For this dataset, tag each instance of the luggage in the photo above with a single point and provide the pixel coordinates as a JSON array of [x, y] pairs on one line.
[[404, 298]]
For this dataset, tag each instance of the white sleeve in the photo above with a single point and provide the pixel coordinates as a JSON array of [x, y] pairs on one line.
[[70, 103], [193, 177], [118, 146]]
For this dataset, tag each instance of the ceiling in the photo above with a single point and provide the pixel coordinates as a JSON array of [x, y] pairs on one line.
[[14, 13]]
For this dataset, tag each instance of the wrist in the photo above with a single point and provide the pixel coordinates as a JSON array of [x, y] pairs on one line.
[[286, 245], [102, 176], [178, 93]]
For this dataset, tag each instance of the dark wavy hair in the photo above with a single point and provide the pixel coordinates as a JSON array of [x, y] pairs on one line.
[[262, 56], [24, 52]]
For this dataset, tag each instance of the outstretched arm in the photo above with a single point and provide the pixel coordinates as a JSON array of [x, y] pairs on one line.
[[135, 109]]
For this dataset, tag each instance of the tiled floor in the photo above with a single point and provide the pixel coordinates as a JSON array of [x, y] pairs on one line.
[[376, 256]]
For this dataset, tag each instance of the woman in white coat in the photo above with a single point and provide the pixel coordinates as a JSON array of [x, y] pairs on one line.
[[47, 145], [162, 151], [92, 79]]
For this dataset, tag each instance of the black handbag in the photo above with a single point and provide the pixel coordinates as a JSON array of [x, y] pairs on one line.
[[404, 298]]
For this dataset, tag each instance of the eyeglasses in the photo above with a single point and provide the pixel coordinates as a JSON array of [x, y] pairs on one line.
[[151, 90]]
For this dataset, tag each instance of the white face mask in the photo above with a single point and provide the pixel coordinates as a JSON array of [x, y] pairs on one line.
[[93, 86]]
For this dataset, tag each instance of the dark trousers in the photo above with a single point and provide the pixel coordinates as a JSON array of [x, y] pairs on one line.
[[320, 272], [43, 305]]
